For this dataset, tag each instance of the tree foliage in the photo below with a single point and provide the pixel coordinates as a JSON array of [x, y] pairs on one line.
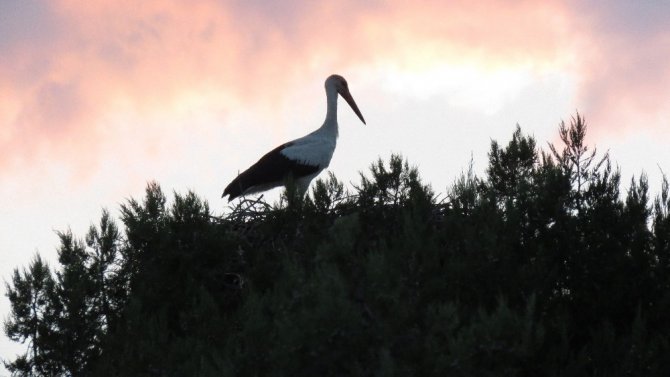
[[541, 267]]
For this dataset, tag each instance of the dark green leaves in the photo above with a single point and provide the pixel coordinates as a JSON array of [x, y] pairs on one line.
[[541, 267]]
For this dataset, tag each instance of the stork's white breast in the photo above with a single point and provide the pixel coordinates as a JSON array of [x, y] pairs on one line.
[[315, 150]]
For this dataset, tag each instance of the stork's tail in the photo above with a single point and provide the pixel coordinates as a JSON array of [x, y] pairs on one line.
[[234, 189]]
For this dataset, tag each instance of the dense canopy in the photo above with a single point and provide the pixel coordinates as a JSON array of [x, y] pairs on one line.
[[540, 268]]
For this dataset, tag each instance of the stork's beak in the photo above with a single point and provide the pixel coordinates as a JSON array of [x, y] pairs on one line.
[[350, 100]]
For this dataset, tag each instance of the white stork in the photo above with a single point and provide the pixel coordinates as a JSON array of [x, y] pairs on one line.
[[302, 158]]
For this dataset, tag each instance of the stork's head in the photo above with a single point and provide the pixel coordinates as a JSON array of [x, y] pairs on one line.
[[339, 85]]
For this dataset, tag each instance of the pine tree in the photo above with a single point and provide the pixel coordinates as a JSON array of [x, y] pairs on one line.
[[30, 295], [540, 267]]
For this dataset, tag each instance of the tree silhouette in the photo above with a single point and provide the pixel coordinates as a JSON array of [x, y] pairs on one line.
[[31, 320], [540, 267]]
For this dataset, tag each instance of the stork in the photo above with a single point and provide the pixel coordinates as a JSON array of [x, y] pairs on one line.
[[303, 158]]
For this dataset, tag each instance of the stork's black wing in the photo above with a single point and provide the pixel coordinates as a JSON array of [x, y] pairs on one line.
[[270, 170]]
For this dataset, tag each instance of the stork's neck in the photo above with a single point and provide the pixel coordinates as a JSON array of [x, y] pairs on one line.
[[330, 124]]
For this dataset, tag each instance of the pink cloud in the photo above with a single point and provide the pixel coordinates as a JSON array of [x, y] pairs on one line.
[[623, 51], [72, 66]]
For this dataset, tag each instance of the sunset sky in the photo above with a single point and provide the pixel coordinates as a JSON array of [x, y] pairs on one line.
[[99, 97]]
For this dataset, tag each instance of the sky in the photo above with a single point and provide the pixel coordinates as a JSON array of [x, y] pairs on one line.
[[98, 98]]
